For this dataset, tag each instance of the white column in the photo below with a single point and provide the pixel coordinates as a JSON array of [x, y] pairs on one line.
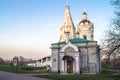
[[63, 66], [77, 64], [62, 69]]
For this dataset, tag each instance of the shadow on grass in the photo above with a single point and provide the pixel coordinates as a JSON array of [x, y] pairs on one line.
[[105, 75], [81, 77]]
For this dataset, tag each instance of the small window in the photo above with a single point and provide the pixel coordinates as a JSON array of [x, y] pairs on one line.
[[48, 58], [85, 37], [91, 36], [54, 60]]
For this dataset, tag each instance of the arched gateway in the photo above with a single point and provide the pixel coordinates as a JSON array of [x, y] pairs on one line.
[[69, 60]]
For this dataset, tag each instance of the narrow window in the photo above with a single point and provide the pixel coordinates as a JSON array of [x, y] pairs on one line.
[[85, 37], [54, 60]]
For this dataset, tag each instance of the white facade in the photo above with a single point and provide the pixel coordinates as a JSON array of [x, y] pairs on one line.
[[75, 58], [44, 62], [76, 53]]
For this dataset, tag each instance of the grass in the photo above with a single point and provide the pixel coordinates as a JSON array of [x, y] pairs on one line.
[[23, 69], [107, 71], [81, 77], [105, 75], [7, 68]]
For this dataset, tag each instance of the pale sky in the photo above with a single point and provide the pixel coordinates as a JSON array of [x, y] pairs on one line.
[[28, 27]]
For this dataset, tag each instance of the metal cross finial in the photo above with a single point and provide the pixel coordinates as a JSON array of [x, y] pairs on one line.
[[66, 2]]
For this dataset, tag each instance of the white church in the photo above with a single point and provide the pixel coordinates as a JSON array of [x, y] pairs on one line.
[[76, 52]]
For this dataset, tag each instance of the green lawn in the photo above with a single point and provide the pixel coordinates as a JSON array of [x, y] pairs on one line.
[[81, 77], [23, 69], [7, 68], [105, 75]]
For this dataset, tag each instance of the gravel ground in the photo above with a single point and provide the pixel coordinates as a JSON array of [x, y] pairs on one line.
[[14, 76]]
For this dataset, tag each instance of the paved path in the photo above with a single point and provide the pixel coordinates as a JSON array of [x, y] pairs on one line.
[[14, 76]]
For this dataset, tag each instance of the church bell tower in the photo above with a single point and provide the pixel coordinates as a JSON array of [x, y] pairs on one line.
[[85, 28], [67, 25]]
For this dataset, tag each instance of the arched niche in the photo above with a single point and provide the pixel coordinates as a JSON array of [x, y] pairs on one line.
[[69, 47]]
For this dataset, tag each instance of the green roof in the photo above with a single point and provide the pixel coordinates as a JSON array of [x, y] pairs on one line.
[[75, 40]]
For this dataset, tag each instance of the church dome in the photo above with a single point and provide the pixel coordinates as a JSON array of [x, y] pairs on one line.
[[84, 13], [84, 21]]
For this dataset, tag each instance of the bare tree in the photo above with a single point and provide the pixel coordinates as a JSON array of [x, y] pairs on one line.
[[112, 38], [1, 61]]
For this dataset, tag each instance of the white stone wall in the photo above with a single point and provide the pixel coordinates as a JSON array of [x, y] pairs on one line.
[[55, 62], [38, 64], [87, 58], [44, 62]]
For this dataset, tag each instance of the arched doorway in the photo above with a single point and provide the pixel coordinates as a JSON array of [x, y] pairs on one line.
[[69, 59], [69, 66], [85, 37]]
